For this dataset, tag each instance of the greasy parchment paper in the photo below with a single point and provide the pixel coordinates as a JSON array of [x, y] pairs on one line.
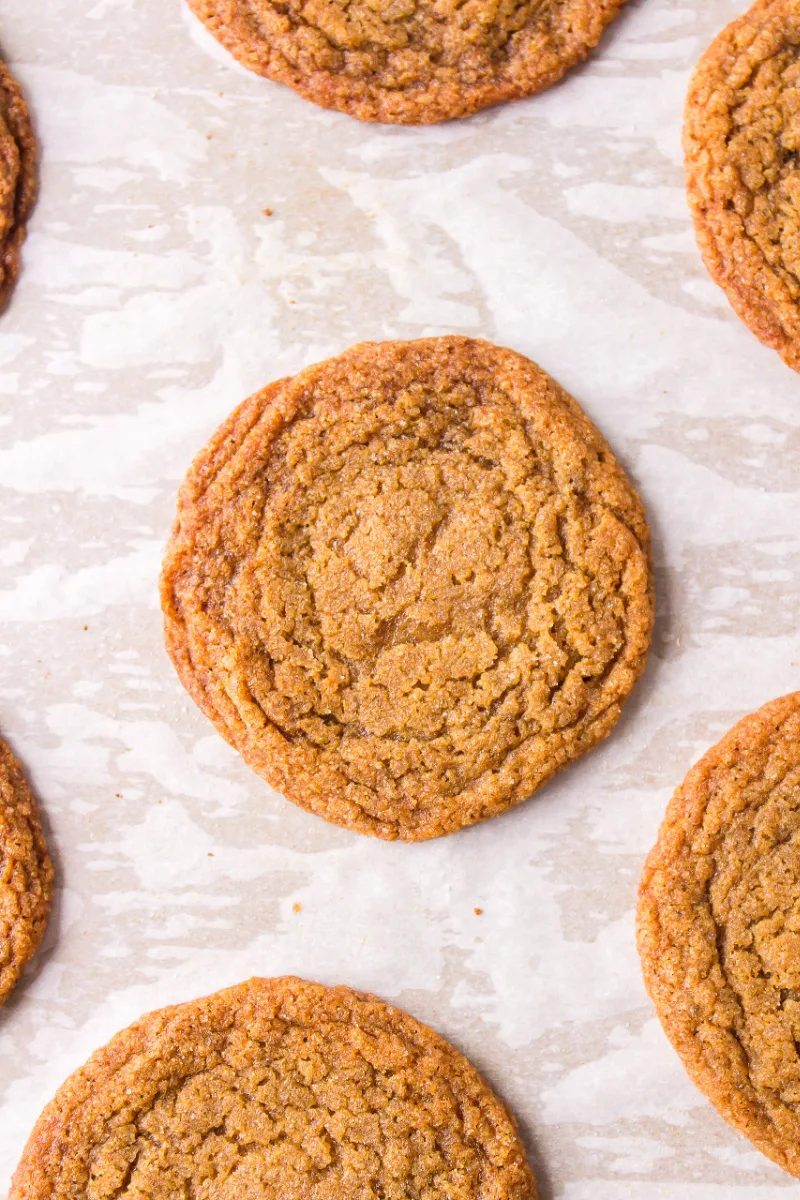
[[156, 294]]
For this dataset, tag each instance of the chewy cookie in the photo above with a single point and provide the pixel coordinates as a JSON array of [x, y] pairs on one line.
[[741, 139], [26, 874], [409, 584], [280, 1088], [719, 927], [414, 62], [17, 179]]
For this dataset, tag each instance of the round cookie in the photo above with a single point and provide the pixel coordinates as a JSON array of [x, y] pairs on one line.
[[26, 874], [741, 140], [17, 179], [409, 584], [719, 927], [411, 62], [281, 1088]]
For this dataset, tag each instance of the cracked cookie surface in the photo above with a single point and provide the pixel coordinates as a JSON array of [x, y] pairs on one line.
[[409, 61], [719, 927], [17, 179], [26, 874], [742, 145], [409, 584], [277, 1087]]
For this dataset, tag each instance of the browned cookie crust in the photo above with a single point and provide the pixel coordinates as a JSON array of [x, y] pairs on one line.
[[414, 62], [276, 1088], [17, 179], [26, 875], [719, 927], [409, 584], [742, 138]]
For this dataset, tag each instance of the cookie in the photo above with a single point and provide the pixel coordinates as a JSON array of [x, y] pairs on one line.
[[405, 62], [17, 179], [280, 1088], [719, 927], [409, 584], [741, 139], [26, 874]]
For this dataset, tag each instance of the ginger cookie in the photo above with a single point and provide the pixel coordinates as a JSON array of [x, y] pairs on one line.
[[741, 139], [17, 179], [280, 1088], [719, 927], [409, 584], [409, 62], [26, 875]]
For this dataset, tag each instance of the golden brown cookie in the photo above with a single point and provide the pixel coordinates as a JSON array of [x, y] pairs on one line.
[[17, 178], [413, 62], [26, 875], [276, 1088], [741, 139], [719, 927], [409, 584]]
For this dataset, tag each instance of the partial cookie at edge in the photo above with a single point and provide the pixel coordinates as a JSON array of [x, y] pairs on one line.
[[17, 179], [26, 873], [719, 927], [741, 144], [409, 63], [279, 1087]]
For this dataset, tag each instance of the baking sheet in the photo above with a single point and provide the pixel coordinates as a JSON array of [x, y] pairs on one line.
[[155, 295]]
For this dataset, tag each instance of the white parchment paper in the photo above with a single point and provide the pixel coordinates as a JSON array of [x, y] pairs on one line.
[[156, 294]]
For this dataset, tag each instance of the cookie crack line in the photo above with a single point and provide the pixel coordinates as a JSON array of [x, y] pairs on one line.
[[718, 927], [400, 639], [409, 61], [274, 1087], [723, 956]]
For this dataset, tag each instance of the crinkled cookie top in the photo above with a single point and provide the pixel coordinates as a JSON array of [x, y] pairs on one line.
[[409, 584], [26, 874], [409, 61], [281, 1088], [742, 142], [719, 927], [17, 179]]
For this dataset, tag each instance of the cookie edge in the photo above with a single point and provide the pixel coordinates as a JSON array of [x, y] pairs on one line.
[[743, 294], [30, 1179], [375, 106], [270, 762], [35, 924], [27, 184], [683, 815]]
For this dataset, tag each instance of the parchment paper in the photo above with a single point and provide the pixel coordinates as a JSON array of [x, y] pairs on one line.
[[155, 295]]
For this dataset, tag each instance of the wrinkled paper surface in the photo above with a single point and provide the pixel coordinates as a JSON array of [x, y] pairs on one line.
[[155, 295]]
